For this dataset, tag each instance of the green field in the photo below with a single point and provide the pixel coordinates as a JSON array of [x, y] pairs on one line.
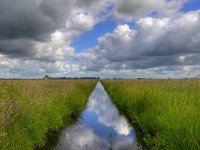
[[165, 113], [31, 108]]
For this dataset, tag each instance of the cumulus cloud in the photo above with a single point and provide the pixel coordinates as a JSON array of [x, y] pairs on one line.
[[29, 24], [42, 31], [32, 19], [80, 22], [153, 42]]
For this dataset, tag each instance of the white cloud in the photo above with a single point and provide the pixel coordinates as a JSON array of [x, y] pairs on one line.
[[153, 42], [80, 22]]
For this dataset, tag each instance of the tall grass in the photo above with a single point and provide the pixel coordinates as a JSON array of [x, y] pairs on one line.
[[28, 109], [165, 113]]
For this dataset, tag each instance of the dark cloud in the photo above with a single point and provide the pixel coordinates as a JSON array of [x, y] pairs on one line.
[[137, 8], [25, 23], [17, 48], [31, 19]]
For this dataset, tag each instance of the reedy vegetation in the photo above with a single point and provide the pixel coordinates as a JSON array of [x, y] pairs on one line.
[[165, 113], [30, 108]]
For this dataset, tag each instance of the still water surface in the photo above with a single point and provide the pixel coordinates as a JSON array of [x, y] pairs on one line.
[[100, 127]]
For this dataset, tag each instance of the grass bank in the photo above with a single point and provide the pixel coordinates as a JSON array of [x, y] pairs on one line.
[[30, 108], [165, 112]]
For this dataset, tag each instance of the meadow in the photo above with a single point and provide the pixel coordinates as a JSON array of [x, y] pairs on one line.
[[164, 113], [31, 108]]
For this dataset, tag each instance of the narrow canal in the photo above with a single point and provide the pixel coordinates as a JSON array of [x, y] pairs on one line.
[[100, 127]]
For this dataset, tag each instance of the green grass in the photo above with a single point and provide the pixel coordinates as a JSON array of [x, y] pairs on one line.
[[29, 109], [165, 113]]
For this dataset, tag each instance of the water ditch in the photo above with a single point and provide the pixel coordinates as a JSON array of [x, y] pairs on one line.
[[100, 127]]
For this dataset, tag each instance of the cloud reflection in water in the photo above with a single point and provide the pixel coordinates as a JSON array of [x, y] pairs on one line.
[[108, 114], [100, 127]]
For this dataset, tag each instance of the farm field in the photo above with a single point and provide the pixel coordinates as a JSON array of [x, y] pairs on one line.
[[164, 113], [31, 108]]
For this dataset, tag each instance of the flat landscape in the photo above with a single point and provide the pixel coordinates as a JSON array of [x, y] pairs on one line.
[[99, 74], [163, 113]]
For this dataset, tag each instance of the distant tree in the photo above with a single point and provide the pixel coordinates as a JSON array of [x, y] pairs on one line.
[[46, 77]]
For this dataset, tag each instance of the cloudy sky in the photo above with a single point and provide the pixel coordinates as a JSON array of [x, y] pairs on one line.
[[106, 38]]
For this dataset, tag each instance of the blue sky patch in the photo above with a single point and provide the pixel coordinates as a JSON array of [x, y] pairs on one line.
[[191, 5], [90, 39]]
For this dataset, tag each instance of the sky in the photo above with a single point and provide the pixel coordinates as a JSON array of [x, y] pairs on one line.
[[107, 38]]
